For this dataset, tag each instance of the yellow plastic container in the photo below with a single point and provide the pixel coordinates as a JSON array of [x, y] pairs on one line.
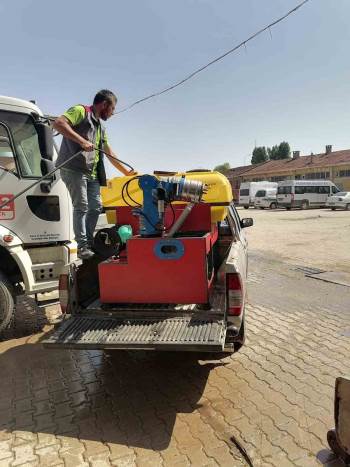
[[218, 191], [112, 195]]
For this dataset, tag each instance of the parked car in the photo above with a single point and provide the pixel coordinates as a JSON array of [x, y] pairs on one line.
[[340, 200], [266, 198]]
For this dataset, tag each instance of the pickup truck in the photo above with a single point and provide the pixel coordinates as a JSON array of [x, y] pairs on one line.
[[215, 327]]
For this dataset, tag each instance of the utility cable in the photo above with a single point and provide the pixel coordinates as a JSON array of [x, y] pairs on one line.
[[55, 170], [217, 59]]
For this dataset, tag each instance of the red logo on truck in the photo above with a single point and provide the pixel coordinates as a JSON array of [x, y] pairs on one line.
[[7, 212]]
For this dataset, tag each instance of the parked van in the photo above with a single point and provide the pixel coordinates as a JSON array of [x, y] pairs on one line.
[[266, 198], [248, 190], [304, 194]]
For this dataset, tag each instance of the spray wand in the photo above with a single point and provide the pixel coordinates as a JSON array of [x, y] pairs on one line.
[[55, 170]]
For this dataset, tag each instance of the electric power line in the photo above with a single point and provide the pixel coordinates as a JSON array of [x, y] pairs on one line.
[[217, 59]]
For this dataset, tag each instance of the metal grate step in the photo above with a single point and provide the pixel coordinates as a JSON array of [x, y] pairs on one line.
[[180, 333]]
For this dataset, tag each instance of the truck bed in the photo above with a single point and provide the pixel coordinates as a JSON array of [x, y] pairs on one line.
[[145, 326]]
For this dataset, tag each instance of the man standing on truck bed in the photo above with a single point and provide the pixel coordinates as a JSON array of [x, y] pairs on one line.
[[84, 174]]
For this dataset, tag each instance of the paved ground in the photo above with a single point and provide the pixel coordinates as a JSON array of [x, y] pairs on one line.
[[275, 397], [315, 237]]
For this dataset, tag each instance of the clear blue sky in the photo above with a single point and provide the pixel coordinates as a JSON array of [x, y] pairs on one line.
[[295, 87]]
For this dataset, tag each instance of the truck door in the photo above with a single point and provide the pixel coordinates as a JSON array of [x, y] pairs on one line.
[[240, 244], [43, 213]]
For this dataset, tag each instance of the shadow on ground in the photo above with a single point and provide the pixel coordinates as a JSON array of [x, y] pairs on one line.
[[129, 398], [29, 318]]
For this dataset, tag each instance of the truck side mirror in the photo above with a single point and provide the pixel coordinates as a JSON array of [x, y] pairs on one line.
[[47, 166], [247, 222], [45, 137]]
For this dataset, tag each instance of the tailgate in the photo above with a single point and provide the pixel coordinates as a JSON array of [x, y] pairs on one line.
[[176, 333]]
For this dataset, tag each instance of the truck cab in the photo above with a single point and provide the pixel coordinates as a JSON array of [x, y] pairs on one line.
[[36, 228]]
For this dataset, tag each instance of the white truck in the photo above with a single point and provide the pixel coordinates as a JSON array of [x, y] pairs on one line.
[[178, 283], [266, 198], [248, 190], [35, 229]]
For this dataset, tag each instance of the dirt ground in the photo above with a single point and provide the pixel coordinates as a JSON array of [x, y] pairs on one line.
[[317, 237]]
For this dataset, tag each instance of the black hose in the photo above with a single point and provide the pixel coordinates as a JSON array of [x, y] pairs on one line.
[[40, 180], [126, 188], [55, 170], [127, 191]]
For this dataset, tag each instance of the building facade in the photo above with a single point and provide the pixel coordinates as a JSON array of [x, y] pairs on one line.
[[330, 165]]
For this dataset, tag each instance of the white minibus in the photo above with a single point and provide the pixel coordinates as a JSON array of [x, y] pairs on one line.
[[248, 190], [304, 194]]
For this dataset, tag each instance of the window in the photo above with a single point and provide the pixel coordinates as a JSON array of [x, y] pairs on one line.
[[7, 159], [284, 190], [278, 178], [324, 190], [260, 193], [299, 190], [335, 189], [244, 192], [344, 173], [307, 189], [317, 175], [25, 141]]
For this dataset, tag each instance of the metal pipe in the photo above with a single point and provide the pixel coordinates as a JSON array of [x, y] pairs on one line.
[[185, 213]]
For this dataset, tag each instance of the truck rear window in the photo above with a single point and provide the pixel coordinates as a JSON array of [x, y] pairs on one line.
[[244, 192]]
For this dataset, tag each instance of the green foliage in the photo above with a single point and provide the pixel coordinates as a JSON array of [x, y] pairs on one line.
[[281, 151], [273, 152], [223, 168], [276, 152], [259, 155], [284, 150]]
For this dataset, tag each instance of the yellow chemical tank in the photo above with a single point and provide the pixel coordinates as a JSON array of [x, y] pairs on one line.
[[112, 195], [218, 191]]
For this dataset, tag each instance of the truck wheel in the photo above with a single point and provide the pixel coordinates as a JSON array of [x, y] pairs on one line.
[[333, 209], [288, 208], [273, 206], [246, 207], [6, 302], [347, 207], [304, 205]]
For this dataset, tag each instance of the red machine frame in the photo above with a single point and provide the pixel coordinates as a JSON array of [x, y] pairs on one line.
[[160, 269]]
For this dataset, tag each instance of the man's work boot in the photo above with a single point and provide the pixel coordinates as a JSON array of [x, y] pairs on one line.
[[85, 253]]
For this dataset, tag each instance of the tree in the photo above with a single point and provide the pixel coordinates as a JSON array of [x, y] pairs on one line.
[[273, 152], [259, 155], [281, 151], [284, 150], [223, 168]]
